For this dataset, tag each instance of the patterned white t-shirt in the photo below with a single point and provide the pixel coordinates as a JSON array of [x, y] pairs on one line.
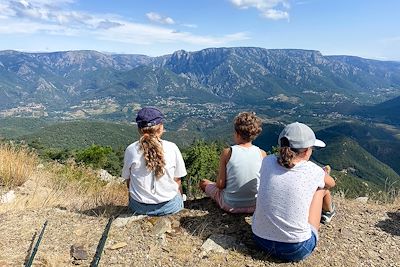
[[284, 199], [143, 186]]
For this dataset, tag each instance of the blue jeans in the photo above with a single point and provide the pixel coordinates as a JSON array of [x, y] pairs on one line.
[[169, 207], [288, 251]]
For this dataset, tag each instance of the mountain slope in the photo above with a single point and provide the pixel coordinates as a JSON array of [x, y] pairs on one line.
[[378, 139], [243, 75], [387, 111], [344, 154], [230, 72], [58, 78]]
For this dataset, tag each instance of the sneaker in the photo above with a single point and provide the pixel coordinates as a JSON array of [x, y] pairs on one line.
[[326, 216]]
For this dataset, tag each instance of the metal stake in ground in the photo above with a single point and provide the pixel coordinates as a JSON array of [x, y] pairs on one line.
[[100, 246], [35, 249]]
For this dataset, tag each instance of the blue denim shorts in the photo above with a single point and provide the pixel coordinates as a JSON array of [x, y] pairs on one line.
[[169, 207], [288, 251]]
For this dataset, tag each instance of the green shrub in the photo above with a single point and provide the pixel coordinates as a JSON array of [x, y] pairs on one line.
[[101, 157], [202, 161]]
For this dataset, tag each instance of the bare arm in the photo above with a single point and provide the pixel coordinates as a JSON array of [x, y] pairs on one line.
[[329, 181], [224, 158], [263, 153], [179, 182]]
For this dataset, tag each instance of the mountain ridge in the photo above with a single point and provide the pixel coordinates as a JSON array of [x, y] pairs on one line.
[[239, 74]]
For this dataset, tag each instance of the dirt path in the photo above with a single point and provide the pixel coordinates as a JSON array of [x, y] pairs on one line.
[[360, 235]]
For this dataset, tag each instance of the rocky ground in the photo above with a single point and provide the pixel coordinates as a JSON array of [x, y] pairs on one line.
[[362, 234]]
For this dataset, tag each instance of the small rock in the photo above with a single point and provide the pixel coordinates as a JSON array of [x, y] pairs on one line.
[[79, 232], [346, 233], [162, 240], [385, 217], [372, 254], [162, 226], [40, 166], [105, 176], [153, 220], [124, 219], [118, 245], [219, 243], [175, 224], [78, 252], [362, 199], [8, 197]]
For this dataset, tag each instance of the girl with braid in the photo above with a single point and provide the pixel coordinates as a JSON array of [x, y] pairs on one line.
[[153, 168]]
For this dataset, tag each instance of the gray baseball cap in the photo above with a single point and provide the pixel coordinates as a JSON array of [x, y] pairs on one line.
[[300, 136]]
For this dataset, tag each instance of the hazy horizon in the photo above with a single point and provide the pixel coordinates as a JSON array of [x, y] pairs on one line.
[[191, 51], [363, 28]]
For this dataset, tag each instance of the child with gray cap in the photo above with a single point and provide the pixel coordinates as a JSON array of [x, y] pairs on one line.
[[293, 194], [153, 168]]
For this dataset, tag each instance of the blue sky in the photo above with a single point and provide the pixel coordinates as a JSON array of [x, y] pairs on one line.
[[366, 28]]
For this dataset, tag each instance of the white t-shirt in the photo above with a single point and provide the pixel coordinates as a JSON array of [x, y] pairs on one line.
[[284, 199], [144, 187]]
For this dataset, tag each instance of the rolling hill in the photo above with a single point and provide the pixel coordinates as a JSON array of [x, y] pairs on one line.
[[381, 141], [388, 111], [346, 155], [356, 151]]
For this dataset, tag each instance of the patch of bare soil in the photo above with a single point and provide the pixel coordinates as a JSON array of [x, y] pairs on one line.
[[359, 235]]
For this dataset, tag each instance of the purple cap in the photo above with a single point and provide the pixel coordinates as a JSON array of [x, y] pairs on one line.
[[149, 116]]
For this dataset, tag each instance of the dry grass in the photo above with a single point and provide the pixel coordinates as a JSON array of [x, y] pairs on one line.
[[71, 186], [79, 187], [17, 164]]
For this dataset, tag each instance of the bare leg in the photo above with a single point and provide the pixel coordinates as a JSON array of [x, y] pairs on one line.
[[327, 201], [321, 200], [203, 183]]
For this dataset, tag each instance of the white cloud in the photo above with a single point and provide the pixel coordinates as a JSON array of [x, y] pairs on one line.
[[189, 25], [270, 9], [55, 17], [106, 24], [155, 17], [44, 11], [13, 27], [135, 33], [275, 14]]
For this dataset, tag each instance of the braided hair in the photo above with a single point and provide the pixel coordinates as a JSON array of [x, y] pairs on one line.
[[150, 144]]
